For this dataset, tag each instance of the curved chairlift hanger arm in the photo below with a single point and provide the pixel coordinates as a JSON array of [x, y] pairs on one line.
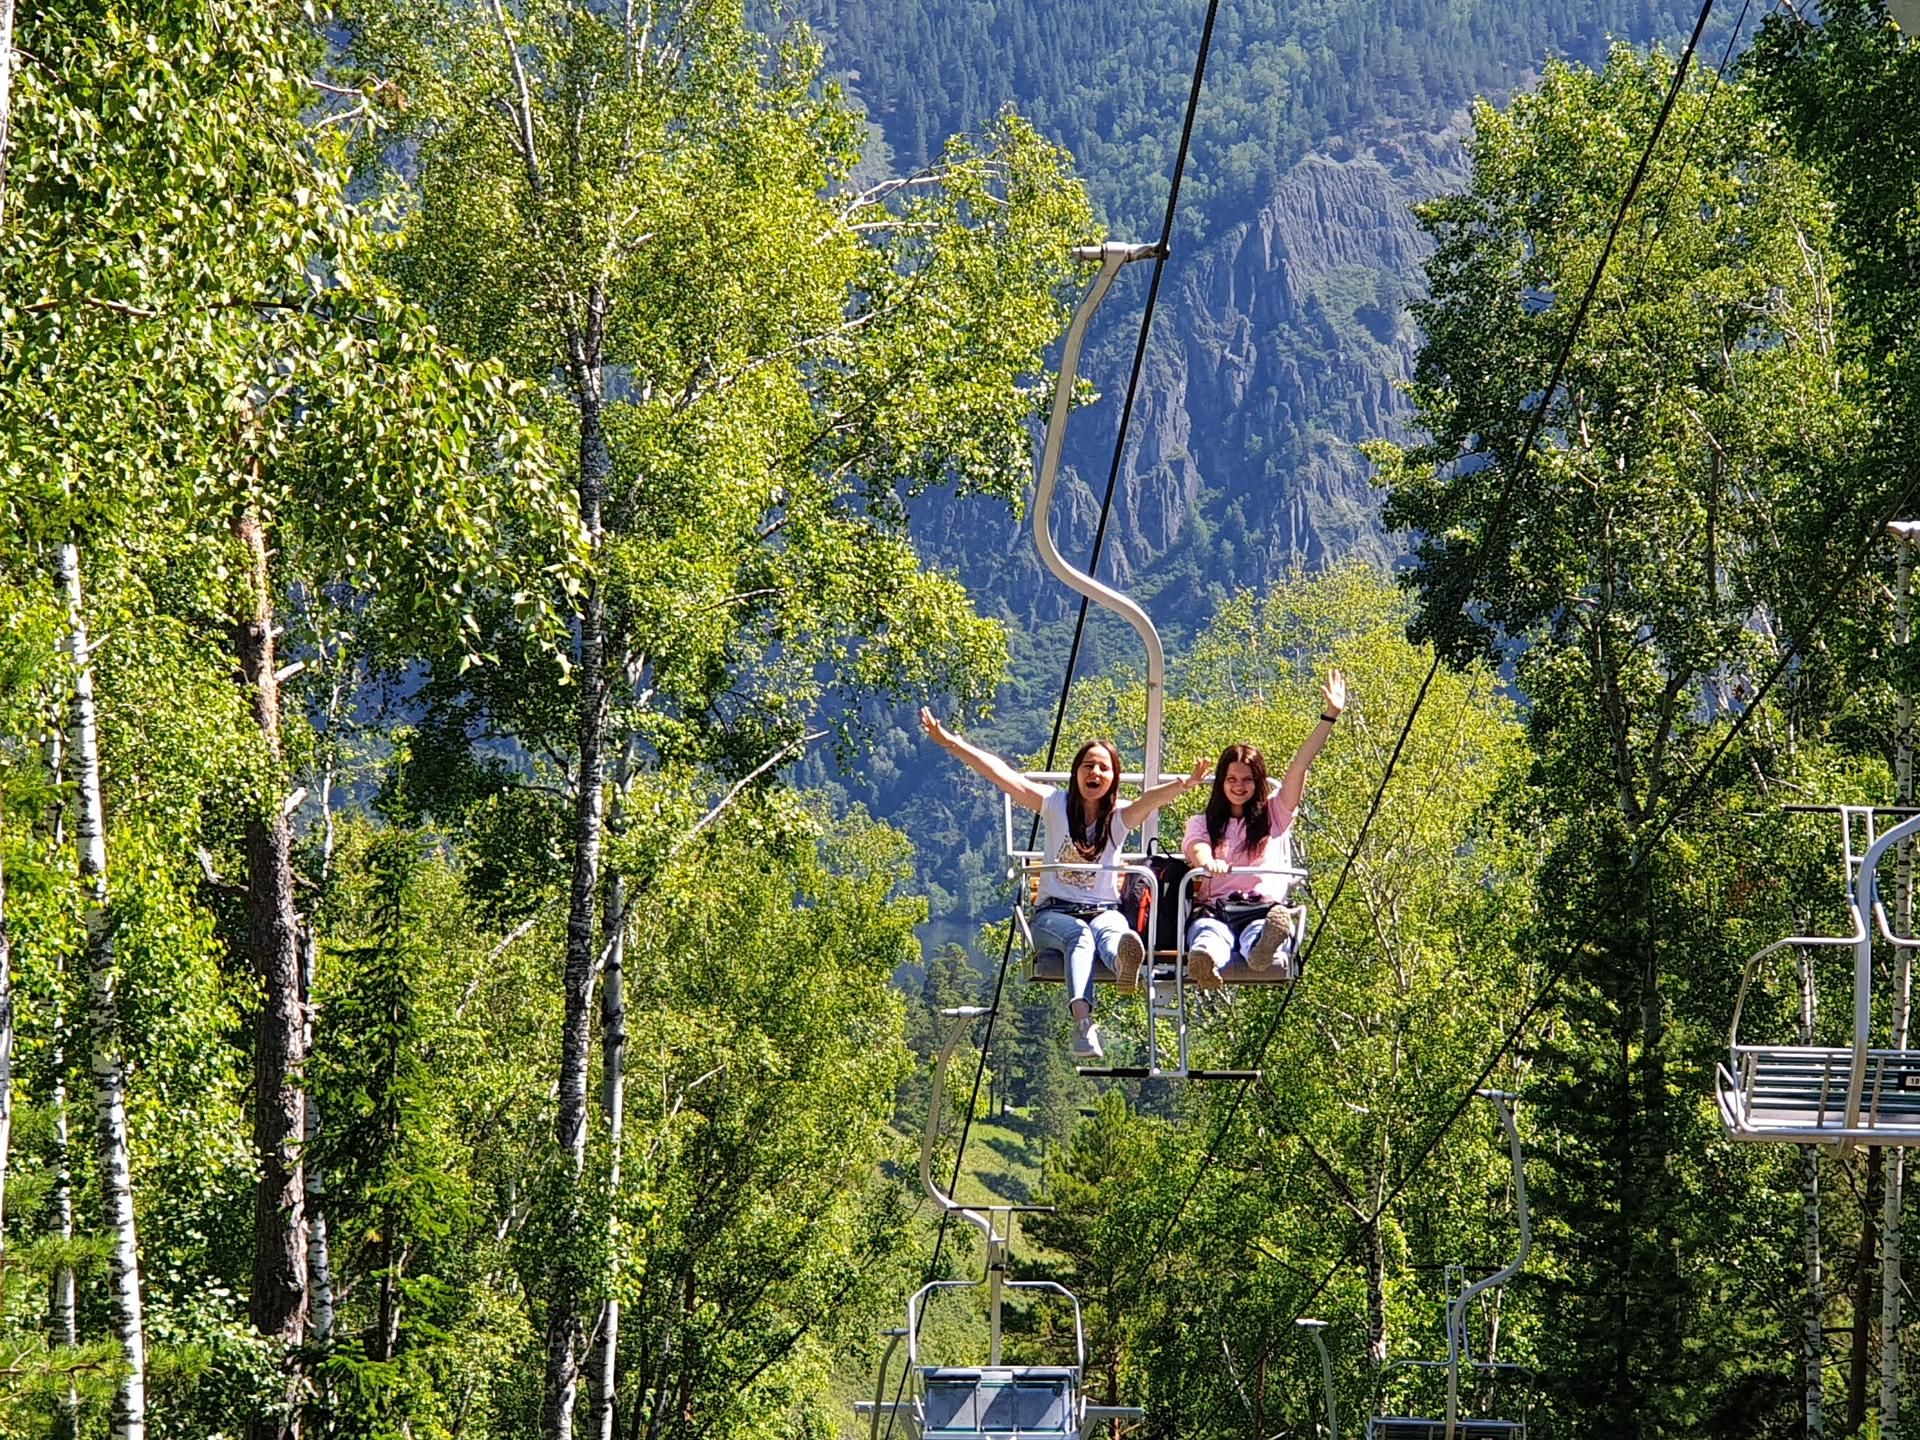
[[1866, 900], [1457, 1308], [1111, 256]]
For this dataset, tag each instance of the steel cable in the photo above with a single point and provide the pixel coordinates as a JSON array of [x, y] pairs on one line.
[[1079, 630]]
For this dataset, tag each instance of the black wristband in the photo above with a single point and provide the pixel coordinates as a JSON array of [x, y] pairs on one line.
[[1331, 719]]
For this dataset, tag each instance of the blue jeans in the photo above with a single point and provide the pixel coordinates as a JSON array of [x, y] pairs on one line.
[[1081, 941], [1216, 937]]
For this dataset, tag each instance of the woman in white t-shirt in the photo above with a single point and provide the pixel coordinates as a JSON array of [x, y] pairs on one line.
[[1085, 825], [1245, 827]]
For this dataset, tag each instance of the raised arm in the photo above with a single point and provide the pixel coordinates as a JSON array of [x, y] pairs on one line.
[[1334, 691], [1154, 797], [984, 763]]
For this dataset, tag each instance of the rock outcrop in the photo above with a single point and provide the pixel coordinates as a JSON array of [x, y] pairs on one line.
[[1278, 347]]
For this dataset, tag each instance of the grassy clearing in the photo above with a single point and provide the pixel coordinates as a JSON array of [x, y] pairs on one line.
[[1004, 1165]]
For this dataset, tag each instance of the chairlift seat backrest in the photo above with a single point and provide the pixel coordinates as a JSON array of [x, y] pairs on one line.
[[997, 1403], [1404, 1427]]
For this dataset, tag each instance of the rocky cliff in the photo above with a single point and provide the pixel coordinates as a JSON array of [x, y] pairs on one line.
[[1278, 345]]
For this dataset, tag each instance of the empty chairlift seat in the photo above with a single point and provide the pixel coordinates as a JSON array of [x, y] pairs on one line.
[[1399, 1427], [1802, 1093], [997, 1403], [1828, 1094]]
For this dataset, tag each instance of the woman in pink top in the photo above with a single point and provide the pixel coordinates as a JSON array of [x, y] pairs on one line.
[[1245, 828]]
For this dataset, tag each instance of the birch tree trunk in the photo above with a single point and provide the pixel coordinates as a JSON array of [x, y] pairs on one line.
[[1376, 1263], [6, 1045], [570, 1126], [1860, 1349], [1892, 1284], [109, 1068], [1814, 1338], [319, 1259], [613, 1079], [6, 95], [319, 1262], [61, 1325], [279, 1296]]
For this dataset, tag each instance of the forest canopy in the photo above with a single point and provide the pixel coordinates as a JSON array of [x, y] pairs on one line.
[[456, 473]]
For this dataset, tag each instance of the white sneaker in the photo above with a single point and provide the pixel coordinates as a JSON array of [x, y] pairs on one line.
[[1086, 1040], [1131, 956]]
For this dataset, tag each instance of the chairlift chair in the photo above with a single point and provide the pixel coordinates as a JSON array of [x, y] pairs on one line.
[[994, 1399], [1452, 1425], [1166, 970], [1823, 1094], [1169, 1006]]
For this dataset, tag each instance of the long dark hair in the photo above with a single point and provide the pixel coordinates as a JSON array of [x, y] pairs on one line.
[[1220, 809], [1082, 827]]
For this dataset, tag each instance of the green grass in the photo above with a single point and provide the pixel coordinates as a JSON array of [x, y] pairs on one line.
[[1003, 1166]]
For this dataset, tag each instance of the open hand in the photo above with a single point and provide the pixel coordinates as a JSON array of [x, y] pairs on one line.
[[936, 732], [1334, 691], [1201, 773]]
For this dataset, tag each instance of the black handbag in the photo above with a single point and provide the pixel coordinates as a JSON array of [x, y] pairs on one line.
[[1236, 912]]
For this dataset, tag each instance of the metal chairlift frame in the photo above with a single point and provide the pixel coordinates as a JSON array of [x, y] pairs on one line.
[[1313, 1329], [1166, 972], [1168, 1004], [995, 1223], [1454, 1427], [1792, 1093]]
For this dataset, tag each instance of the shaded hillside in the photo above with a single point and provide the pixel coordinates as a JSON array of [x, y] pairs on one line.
[[1282, 332], [1109, 81]]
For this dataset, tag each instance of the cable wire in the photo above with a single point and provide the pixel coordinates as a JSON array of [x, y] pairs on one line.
[[1488, 546], [1079, 630]]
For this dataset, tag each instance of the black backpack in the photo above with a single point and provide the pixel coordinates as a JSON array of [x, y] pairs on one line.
[[1168, 871]]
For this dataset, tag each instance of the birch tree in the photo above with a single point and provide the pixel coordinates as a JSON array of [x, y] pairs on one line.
[[314, 418], [757, 368], [105, 1044]]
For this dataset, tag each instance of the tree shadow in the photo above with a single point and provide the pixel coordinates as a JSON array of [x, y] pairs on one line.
[[1006, 1185]]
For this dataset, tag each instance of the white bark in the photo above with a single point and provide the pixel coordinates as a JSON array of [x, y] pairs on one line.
[[6, 93], [61, 1324], [109, 1068], [613, 1053], [319, 1257], [1892, 1286], [60, 1299], [6, 1040], [1814, 1341]]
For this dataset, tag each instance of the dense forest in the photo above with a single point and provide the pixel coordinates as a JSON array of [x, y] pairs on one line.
[[463, 473], [1110, 82], [1282, 341]]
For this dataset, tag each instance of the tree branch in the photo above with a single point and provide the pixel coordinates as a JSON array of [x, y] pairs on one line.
[[745, 780]]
